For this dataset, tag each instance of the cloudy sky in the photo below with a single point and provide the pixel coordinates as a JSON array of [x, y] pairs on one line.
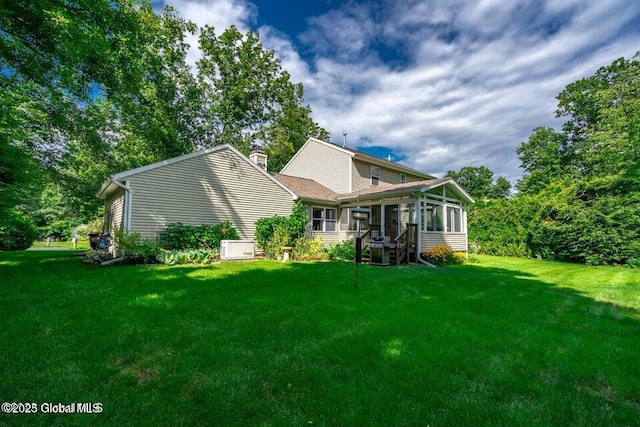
[[436, 84]]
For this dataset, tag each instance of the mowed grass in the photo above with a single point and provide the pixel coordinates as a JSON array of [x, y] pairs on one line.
[[502, 342], [42, 245]]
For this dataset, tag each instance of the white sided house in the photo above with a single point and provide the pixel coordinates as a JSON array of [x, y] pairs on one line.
[[415, 210]]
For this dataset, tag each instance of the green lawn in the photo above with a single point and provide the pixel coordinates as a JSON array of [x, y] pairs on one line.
[[502, 342], [42, 245]]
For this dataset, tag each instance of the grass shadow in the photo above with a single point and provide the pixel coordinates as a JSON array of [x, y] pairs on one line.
[[271, 343]]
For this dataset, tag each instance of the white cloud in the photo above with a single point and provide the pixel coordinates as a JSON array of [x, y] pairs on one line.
[[471, 98], [468, 80], [220, 14]]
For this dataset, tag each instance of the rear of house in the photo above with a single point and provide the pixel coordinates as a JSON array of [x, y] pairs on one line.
[[397, 195], [221, 184]]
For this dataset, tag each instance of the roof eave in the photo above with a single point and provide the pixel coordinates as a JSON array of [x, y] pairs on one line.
[[379, 195]]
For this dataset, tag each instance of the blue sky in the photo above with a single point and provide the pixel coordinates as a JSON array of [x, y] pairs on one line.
[[438, 84]]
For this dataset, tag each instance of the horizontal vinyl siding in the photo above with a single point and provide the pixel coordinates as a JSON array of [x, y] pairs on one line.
[[457, 241], [328, 237], [325, 165], [207, 189], [114, 207], [362, 176], [114, 211]]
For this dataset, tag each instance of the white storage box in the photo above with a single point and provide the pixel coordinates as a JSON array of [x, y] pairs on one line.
[[237, 249]]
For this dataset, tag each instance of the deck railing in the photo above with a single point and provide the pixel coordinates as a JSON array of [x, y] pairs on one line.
[[405, 244]]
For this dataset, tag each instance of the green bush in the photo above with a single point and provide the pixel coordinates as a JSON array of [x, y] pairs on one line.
[[197, 256], [96, 256], [181, 236], [345, 250], [633, 263], [134, 249], [309, 249], [278, 231], [272, 233], [442, 255], [17, 231]]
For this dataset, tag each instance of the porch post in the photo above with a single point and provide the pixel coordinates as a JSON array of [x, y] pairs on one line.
[[419, 208], [382, 223]]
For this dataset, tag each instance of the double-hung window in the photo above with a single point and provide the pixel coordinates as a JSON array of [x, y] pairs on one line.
[[324, 219], [375, 175]]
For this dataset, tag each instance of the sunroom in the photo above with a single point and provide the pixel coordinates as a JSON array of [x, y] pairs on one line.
[[427, 213]]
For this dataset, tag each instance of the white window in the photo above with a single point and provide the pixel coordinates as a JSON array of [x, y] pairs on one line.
[[403, 178], [324, 219], [454, 219], [433, 216], [375, 175]]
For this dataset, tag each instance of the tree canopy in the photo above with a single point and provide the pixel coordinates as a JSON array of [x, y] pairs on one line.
[[93, 88], [479, 182], [581, 189]]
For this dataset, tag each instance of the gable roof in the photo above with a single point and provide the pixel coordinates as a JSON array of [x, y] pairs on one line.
[[359, 155], [114, 181], [307, 189]]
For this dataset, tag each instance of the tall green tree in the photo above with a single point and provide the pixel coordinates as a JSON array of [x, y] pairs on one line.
[[248, 98], [603, 112], [583, 183], [544, 157], [56, 57], [478, 181]]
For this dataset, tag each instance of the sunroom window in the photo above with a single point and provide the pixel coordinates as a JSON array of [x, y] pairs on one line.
[[433, 218], [454, 219]]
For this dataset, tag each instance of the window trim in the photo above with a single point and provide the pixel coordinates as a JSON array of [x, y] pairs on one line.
[[445, 212], [403, 178], [323, 219]]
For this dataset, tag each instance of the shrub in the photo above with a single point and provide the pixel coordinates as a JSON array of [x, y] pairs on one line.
[[278, 231], [197, 256], [134, 249], [181, 236], [272, 233], [309, 249], [17, 231], [442, 255], [96, 256], [633, 263], [345, 250]]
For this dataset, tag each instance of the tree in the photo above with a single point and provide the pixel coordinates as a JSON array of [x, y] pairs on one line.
[[581, 189], [56, 58], [248, 98], [74, 45], [544, 157], [93, 88], [478, 181]]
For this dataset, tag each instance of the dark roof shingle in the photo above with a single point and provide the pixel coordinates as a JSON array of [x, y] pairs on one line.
[[307, 188]]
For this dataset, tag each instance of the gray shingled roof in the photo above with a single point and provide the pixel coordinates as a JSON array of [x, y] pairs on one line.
[[307, 188]]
